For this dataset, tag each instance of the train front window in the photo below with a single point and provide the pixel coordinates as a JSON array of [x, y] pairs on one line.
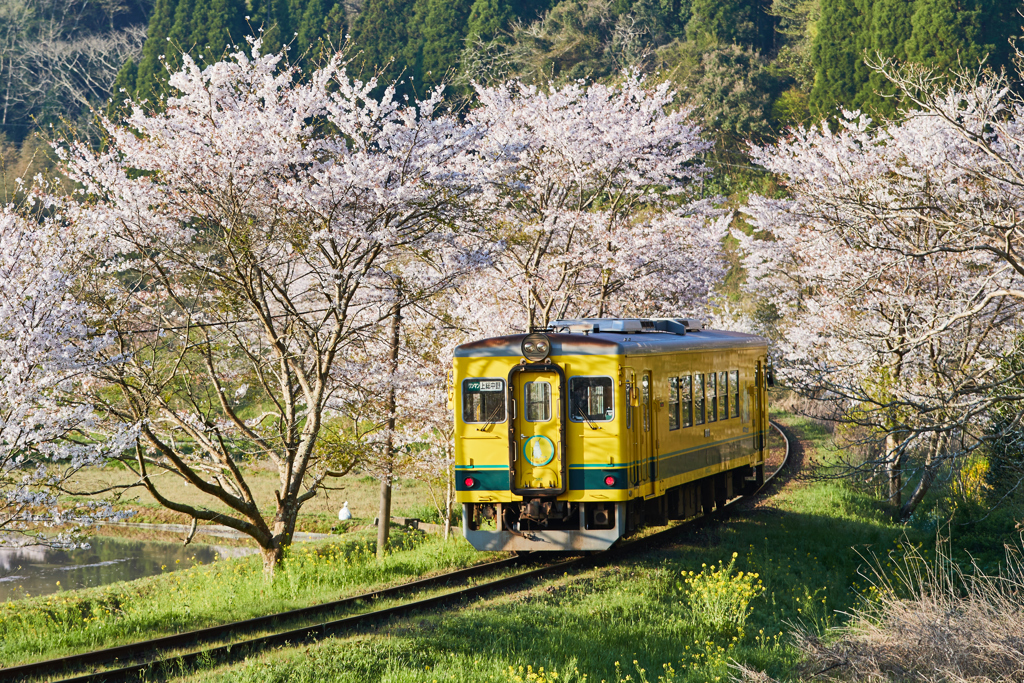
[[686, 398], [483, 400], [698, 398], [537, 397], [591, 399], [673, 403]]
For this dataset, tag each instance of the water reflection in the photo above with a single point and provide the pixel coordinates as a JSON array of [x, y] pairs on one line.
[[36, 570]]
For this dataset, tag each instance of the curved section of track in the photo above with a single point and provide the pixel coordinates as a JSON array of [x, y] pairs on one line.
[[143, 652]]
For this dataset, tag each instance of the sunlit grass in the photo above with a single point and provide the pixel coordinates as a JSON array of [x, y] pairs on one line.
[[224, 591], [727, 593], [724, 593]]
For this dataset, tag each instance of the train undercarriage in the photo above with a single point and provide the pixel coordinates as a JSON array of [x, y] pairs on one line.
[[554, 525]]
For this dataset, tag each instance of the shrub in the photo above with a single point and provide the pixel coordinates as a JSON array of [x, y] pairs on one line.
[[719, 599]]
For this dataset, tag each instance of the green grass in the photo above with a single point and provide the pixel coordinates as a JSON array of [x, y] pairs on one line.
[[723, 592], [641, 620], [227, 590]]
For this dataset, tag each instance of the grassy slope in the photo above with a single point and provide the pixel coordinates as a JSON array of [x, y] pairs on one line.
[[635, 621]]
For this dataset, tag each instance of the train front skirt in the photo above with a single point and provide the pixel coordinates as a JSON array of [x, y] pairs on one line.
[[551, 540]]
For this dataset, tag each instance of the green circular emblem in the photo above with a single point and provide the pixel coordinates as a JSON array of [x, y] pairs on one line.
[[541, 452]]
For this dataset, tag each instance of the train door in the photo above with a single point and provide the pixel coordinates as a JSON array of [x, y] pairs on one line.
[[629, 399], [537, 425], [647, 466], [759, 406]]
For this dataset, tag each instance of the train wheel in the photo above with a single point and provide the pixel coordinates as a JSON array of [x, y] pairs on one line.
[[721, 489]]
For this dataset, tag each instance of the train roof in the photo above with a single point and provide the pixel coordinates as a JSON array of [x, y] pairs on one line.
[[617, 337]]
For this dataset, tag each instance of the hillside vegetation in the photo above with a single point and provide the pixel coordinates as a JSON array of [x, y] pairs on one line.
[[752, 67]]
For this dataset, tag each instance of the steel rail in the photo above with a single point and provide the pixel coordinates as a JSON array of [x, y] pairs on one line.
[[294, 636]]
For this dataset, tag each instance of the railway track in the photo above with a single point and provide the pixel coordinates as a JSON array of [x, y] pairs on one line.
[[165, 655]]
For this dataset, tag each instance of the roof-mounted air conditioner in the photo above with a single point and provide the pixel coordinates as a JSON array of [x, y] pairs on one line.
[[627, 325]]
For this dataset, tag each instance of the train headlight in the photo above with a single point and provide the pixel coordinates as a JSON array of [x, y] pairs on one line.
[[470, 482], [609, 480], [536, 347]]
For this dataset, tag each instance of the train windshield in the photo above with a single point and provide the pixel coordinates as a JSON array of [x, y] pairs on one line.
[[591, 399], [483, 400]]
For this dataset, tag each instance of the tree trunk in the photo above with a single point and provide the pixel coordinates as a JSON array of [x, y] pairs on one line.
[[448, 490], [927, 477], [283, 529], [384, 514], [894, 473], [271, 558]]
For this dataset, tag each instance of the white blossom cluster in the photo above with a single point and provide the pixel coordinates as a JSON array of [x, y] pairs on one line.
[[896, 266]]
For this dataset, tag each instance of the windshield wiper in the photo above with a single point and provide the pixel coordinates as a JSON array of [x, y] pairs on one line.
[[584, 415], [491, 420]]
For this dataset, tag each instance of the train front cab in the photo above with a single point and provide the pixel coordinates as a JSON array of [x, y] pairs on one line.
[[538, 445], [575, 451]]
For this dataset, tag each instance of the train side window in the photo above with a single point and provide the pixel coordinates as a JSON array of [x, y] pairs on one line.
[[629, 405], [734, 393], [723, 396], [686, 398], [483, 400], [673, 403], [712, 389], [591, 399], [645, 401], [537, 399], [745, 397], [698, 398]]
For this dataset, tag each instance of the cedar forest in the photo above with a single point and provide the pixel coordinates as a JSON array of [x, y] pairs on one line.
[[751, 67]]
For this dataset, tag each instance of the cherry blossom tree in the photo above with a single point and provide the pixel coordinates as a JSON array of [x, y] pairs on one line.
[[590, 195], [433, 332], [896, 265], [401, 384], [47, 347], [243, 226]]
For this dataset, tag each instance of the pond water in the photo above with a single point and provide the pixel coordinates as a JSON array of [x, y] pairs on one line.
[[36, 570]]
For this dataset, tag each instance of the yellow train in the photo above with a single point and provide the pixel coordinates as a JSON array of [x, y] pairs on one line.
[[571, 438]]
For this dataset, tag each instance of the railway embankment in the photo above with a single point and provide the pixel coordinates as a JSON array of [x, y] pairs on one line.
[[762, 588], [729, 591]]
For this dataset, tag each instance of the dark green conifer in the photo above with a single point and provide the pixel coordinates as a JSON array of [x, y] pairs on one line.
[[736, 22], [528, 10], [151, 75], [310, 26], [839, 73], [890, 30], [945, 35], [336, 25], [321, 30], [999, 20], [124, 86], [274, 18], [443, 32], [381, 34], [181, 37], [487, 18], [216, 25]]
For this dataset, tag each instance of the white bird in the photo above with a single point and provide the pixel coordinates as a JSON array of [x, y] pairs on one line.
[[344, 513]]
